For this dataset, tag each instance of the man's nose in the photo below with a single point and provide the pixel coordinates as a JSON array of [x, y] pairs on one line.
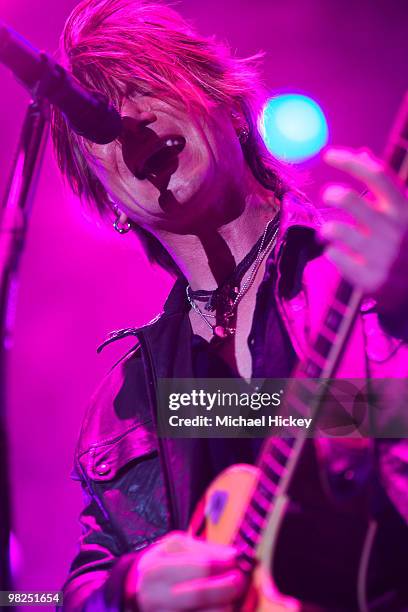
[[137, 123]]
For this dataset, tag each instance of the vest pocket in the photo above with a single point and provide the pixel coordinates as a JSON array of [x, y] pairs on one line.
[[124, 476], [105, 461]]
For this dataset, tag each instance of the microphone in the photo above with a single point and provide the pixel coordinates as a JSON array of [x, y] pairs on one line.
[[89, 113]]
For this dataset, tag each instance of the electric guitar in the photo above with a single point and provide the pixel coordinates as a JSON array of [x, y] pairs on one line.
[[249, 507]]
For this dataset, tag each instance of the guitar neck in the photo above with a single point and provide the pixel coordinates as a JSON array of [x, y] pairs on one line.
[[279, 456], [396, 152]]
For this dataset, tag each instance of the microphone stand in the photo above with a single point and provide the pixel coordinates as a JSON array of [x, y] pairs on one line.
[[14, 220], [91, 116]]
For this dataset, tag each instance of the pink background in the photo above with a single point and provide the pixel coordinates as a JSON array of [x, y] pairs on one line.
[[79, 281]]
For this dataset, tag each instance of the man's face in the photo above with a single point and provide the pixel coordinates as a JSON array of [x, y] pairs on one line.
[[172, 169]]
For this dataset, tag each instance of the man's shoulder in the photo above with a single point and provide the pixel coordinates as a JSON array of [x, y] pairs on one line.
[[118, 406]]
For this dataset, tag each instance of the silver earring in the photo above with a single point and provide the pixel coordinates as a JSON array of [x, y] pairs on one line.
[[121, 229], [243, 134], [243, 130]]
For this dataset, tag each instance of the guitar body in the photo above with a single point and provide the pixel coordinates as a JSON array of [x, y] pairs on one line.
[[342, 552], [217, 519]]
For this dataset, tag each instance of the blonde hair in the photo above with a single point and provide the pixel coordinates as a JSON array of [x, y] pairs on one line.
[[124, 47]]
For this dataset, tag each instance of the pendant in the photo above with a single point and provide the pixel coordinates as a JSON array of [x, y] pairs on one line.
[[223, 332]]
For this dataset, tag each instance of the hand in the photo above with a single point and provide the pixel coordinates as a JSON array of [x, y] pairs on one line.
[[182, 573], [372, 252]]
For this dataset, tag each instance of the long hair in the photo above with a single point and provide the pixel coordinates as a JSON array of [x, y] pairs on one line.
[[124, 47]]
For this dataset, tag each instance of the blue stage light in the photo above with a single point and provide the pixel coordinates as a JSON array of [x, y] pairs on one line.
[[293, 127]]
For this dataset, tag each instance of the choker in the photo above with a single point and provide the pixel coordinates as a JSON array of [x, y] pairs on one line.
[[221, 303]]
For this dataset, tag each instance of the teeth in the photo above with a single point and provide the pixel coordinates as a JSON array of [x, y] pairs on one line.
[[166, 153], [170, 142]]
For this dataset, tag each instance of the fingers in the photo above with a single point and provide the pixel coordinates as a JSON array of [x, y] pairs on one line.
[[363, 166], [185, 566], [361, 259], [184, 573], [213, 592], [346, 262], [182, 590], [347, 199], [367, 248], [345, 235], [363, 252], [369, 276], [179, 542], [379, 240]]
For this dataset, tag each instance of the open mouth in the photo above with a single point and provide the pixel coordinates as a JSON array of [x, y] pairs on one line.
[[164, 158]]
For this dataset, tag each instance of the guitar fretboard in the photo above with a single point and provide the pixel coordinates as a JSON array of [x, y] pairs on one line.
[[303, 393], [396, 152]]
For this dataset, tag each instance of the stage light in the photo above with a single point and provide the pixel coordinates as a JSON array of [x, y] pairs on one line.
[[293, 127]]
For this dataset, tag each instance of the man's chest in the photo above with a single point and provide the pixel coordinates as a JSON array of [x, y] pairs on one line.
[[234, 349]]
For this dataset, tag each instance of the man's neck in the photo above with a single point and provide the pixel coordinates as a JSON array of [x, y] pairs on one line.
[[210, 256]]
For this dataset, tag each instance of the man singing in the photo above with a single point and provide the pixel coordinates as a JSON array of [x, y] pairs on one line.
[[191, 176]]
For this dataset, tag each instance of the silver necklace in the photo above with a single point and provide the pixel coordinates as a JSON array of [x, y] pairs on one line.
[[223, 331]]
